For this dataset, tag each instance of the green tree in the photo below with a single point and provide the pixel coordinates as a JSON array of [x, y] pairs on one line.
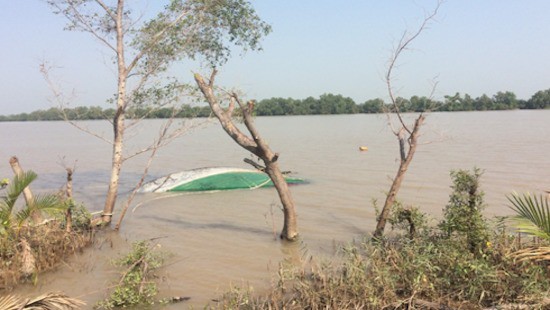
[[287, 106], [52, 114], [540, 100], [453, 103], [95, 113], [467, 103], [483, 103], [372, 106], [327, 104], [463, 214], [505, 101], [345, 105], [401, 105], [269, 107], [421, 104], [310, 104], [143, 51]]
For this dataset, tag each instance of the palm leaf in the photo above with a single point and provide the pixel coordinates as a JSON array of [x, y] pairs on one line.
[[41, 203], [10, 302], [533, 214], [54, 301], [48, 301], [20, 182], [22, 216], [5, 216]]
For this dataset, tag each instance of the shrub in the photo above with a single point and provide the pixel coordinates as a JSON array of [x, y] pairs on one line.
[[467, 263], [430, 272], [136, 285], [463, 214]]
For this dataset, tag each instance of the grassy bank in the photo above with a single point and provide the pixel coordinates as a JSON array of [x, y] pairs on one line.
[[37, 234], [464, 262], [430, 271], [36, 249]]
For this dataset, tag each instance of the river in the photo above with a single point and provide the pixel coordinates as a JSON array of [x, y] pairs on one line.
[[224, 239]]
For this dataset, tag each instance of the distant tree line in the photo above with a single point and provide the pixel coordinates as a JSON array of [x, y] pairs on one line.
[[96, 112], [325, 104], [338, 104]]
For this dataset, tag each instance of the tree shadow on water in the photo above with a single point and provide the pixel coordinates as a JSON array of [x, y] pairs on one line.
[[224, 226]]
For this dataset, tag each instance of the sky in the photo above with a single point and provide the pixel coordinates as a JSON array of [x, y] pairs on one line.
[[316, 47]]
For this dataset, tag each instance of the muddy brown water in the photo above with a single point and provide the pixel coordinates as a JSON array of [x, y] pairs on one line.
[[221, 240]]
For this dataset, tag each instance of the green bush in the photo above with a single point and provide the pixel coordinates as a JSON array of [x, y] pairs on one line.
[[463, 214], [136, 285]]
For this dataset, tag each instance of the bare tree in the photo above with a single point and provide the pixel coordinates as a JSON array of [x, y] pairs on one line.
[[406, 135], [255, 144], [143, 51]]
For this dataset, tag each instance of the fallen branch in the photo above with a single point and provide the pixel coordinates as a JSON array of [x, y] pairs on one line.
[[543, 304], [254, 164]]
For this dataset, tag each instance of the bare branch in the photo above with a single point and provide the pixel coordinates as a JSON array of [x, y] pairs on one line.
[[61, 102], [401, 137], [227, 123], [249, 123], [254, 164], [212, 77], [231, 107], [166, 138], [81, 20], [405, 136], [435, 82], [154, 148], [107, 9], [403, 44]]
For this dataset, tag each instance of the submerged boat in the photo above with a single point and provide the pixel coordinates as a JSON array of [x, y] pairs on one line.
[[212, 179]]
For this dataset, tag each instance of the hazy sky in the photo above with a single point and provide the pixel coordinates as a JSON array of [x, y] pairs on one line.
[[316, 47]]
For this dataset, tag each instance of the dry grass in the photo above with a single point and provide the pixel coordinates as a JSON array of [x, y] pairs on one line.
[[25, 252], [535, 253]]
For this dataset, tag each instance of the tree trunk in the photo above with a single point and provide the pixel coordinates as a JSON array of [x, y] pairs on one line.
[[411, 140], [118, 121], [290, 226], [406, 158], [257, 146], [116, 166], [69, 193], [29, 198]]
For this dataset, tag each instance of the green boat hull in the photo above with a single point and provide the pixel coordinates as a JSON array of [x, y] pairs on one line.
[[212, 179], [230, 181]]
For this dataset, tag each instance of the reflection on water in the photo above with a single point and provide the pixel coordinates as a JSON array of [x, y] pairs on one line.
[[224, 238]]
